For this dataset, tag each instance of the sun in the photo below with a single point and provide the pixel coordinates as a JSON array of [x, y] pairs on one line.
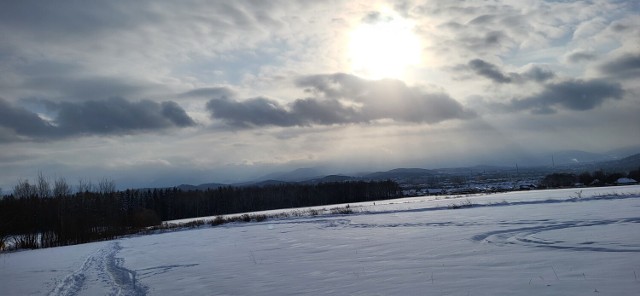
[[384, 49]]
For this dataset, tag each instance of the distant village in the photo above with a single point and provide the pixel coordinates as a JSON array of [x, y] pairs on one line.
[[491, 182]]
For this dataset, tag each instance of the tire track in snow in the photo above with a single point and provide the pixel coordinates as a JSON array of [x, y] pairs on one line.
[[101, 273], [534, 236]]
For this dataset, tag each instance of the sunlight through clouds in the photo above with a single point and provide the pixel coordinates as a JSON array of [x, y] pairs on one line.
[[383, 46]]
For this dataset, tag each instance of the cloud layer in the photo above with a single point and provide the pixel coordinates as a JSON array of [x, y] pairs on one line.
[[106, 117], [576, 95], [495, 74], [340, 99], [626, 66]]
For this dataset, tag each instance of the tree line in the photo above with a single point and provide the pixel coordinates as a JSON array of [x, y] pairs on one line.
[[596, 178], [49, 213]]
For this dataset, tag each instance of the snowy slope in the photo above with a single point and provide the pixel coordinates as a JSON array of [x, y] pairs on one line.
[[519, 243]]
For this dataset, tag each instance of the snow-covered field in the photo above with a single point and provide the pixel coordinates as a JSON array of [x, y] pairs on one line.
[[553, 242]]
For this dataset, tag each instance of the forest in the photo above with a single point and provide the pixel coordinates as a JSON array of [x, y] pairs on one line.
[[48, 214]]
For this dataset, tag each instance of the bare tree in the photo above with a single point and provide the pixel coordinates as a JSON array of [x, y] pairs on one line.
[[84, 185], [43, 186], [23, 189], [106, 186], [61, 188]]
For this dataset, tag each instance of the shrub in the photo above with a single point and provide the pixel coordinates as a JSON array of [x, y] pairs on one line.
[[465, 204], [218, 220], [341, 211], [558, 180], [194, 224]]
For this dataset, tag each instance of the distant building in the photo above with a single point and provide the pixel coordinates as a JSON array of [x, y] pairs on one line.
[[410, 192], [626, 181]]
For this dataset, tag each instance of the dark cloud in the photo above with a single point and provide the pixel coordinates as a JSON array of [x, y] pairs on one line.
[[376, 17], [112, 116], [537, 74], [495, 74], [326, 112], [172, 111], [620, 27], [341, 99], [371, 17], [23, 122], [262, 111], [485, 41], [402, 7], [209, 92], [251, 112], [577, 95], [581, 56], [625, 66], [482, 20], [483, 33], [488, 70], [118, 116], [493, 38], [452, 25]]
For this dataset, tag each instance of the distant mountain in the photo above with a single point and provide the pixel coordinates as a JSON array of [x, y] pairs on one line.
[[578, 156], [628, 163], [264, 183], [330, 178], [571, 160], [633, 159], [400, 173], [623, 152], [187, 187], [296, 175]]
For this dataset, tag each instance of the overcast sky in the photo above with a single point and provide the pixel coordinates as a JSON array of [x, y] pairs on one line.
[[159, 93]]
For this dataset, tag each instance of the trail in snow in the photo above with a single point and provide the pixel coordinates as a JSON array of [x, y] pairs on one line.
[[549, 234], [599, 235], [101, 273]]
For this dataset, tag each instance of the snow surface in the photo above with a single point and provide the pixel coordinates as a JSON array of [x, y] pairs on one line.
[[552, 242]]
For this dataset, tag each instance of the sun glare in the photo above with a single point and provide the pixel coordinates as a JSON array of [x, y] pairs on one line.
[[385, 49]]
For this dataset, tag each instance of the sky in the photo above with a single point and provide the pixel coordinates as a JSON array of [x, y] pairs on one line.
[[160, 93]]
